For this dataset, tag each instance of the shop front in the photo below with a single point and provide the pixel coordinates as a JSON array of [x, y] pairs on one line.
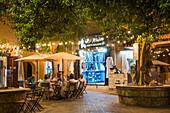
[[95, 52]]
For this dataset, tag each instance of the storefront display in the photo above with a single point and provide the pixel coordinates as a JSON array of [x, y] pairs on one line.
[[93, 68], [95, 52]]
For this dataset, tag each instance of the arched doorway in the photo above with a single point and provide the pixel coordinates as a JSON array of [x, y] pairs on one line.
[[29, 70]]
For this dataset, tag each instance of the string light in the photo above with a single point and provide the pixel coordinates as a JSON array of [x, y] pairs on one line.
[[65, 43], [102, 38], [91, 50], [153, 56], [112, 45], [7, 44], [88, 49], [76, 53], [158, 55], [48, 44], [124, 42], [72, 43], [167, 50], [37, 51], [164, 55], [36, 44], [87, 39], [107, 45], [53, 43], [129, 32], [168, 53], [41, 54], [61, 43], [131, 37], [118, 42], [29, 46], [107, 36], [79, 43], [72, 52]]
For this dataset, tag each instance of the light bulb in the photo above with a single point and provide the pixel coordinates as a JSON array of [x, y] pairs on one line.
[[118, 41], [53, 43], [124, 42], [7, 44], [72, 43], [129, 32], [65, 43], [112, 45]]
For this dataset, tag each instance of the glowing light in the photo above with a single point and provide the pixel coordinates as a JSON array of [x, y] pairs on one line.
[[53, 43], [107, 36], [29, 46], [118, 42], [97, 47], [72, 52], [7, 44], [36, 44], [2, 46], [153, 56], [76, 53], [79, 43], [87, 39], [167, 50], [37, 51], [92, 50], [129, 32], [72, 43], [151, 51], [44, 44], [102, 38], [168, 53], [131, 37], [88, 49], [61, 43], [107, 45], [48, 44], [112, 45], [164, 55], [158, 55], [65, 43], [124, 42], [23, 47], [97, 40], [20, 51], [41, 54]]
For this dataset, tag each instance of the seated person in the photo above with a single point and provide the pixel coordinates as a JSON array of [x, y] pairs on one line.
[[58, 78], [66, 87], [46, 81], [81, 79]]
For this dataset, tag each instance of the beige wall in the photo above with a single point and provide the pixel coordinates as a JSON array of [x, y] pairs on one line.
[[7, 33]]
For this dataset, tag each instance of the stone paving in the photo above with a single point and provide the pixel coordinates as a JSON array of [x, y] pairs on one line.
[[96, 102]]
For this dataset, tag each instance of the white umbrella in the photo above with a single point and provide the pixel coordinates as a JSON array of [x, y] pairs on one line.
[[157, 62], [34, 58], [64, 56]]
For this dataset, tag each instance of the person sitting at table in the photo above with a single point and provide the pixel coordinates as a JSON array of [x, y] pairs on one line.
[[46, 81], [81, 79], [66, 87], [58, 79]]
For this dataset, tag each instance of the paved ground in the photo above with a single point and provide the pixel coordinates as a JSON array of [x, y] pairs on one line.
[[96, 102]]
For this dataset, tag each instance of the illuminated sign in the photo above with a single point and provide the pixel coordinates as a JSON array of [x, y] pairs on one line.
[[94, 42]]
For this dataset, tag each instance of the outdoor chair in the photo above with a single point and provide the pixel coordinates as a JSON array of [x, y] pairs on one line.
[[23, 104], [46, 87], [84, 88], [71, 93], [80, 89], [34, 102]]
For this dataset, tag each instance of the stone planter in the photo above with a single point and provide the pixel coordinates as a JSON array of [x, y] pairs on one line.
[[144, 96]]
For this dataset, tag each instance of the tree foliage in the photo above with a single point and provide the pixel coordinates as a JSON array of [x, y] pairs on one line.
[[63, 20], [36, 20], [144, 18]]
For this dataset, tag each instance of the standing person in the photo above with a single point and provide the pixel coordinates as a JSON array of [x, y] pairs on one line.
[[81, 79]]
